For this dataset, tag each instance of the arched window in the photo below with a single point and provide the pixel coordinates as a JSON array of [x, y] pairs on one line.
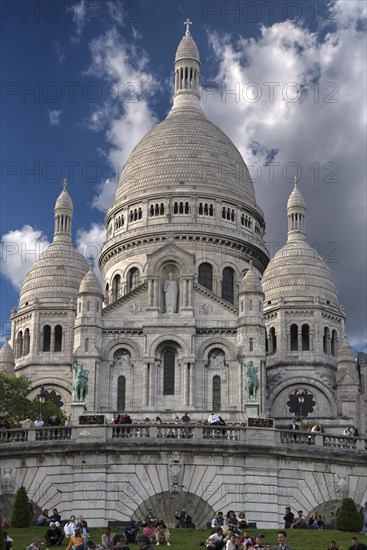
[[161, 210], [272, 341], [334, 342], [266, 342], [27, 340], [116, 287], [305, 338], [133, 278], [121, 393], [107, 294], [58, 338], [326, 340], [294, 337], [206, 275], [46, 340], [169, 361], [187, 208], [251, 344], [86, 344], [228, 285], [79, 306], [19, 348], [175, 208], [216, 393]]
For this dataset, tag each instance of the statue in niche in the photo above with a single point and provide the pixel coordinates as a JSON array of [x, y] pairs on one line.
[[170, 290], [217, 360], [252, 383], [80, 383], [123, 360], [176, 472]]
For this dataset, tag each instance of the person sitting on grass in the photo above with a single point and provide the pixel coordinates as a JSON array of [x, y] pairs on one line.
[[299, 522], [76, 541], [35, 544], [54, 536], [119, 543], [149, 530], [131, 531], [106, 539], [357, 545], [162, 534], [333, 546], [215, 540]]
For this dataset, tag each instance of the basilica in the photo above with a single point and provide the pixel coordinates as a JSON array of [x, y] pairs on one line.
[[191, 315]]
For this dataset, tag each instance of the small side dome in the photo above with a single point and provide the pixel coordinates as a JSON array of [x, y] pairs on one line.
[[90, 284], [251, 282], [7, 359], [187, 49]]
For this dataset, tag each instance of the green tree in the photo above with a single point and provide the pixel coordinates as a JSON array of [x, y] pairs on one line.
[[22, 515], [15, 405], [348, 517]]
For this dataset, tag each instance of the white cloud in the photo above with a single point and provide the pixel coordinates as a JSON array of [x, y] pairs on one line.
[[126, 116], [78, 15], [89, 244], [20, 248], [54, 117], [58, 52], [322, 132]]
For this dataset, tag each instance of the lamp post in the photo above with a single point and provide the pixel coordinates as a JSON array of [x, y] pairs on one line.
[[42, 396], [301, 400]]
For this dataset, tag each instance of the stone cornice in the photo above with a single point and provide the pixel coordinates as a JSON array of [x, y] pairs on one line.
[[209, 294]]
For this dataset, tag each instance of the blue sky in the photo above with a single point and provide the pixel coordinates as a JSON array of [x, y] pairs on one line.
[[83, 81]]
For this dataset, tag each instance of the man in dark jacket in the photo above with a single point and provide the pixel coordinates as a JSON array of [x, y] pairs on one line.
[[288, 518], [143, 542], [54, 536]]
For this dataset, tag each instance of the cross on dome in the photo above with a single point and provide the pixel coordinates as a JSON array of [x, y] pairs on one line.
[[187, 23], [65, 184], [295, 181]]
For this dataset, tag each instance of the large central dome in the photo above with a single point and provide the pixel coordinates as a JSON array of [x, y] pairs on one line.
[[186, 149]]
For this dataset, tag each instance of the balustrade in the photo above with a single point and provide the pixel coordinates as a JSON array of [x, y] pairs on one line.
[[229, 432]]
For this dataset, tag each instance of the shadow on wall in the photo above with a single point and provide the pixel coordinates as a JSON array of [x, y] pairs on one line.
[[166, 504]]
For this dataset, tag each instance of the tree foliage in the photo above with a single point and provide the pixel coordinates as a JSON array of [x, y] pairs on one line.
[[348, 518], [15, 405], [22, 515]]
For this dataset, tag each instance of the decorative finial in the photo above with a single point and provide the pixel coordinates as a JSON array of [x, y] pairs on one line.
[[65, 184], [251, 264], [187, 23], [295, 182]]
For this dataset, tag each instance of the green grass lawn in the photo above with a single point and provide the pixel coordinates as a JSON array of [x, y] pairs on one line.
[[188, 539]]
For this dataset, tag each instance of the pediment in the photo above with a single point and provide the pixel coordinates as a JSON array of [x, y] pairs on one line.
[[171, 252], [348, 379], [132, 304]]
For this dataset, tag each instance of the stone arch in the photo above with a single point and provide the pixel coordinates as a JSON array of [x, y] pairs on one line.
[[166, 504], [211, 343], [129, 266], [170, 254], [156, 344], [111, 347], [307, 383], [63, 387]]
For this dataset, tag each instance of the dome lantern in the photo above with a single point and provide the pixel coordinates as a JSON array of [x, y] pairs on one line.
[[296, 212], [63, 213], [187, 72]]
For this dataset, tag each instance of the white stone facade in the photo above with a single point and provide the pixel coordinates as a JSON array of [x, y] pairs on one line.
[[185, 212]]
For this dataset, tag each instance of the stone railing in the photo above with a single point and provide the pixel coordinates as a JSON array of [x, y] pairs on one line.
[[166, 432]]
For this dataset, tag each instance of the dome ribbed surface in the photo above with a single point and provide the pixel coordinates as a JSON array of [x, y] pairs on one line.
[[187, 49], [64, 200], [296, 199], [55, 276], [90, 284], [298, 272], [187, 148]]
